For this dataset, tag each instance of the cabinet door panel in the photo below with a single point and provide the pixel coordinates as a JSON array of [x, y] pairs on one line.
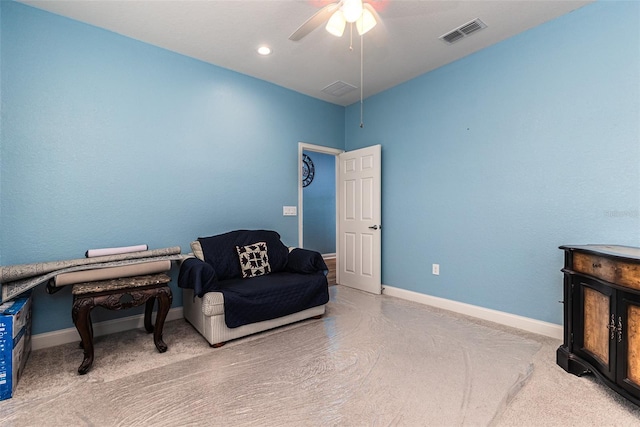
[[594, 341], [629, 350], [596, 334]]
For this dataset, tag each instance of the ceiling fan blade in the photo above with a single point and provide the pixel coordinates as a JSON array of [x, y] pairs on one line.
[[373, 11], [319, 18]]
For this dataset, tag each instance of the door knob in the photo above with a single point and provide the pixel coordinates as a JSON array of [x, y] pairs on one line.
[[374, 227]]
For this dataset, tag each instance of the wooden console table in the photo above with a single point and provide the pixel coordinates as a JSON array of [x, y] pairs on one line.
[[602, 316], [119, 294]]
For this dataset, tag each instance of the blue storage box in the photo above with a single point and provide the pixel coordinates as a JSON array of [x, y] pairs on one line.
[[15, 342]]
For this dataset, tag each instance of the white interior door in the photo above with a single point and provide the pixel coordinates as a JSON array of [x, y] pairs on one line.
[[359, 222]]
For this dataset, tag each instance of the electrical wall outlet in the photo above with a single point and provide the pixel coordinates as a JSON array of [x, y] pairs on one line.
[[435, 269], [289, 210]]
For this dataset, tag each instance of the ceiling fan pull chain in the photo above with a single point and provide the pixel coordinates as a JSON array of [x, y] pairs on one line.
[[351, 37]]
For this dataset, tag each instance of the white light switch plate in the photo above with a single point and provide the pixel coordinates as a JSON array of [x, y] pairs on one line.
[[289, 210]]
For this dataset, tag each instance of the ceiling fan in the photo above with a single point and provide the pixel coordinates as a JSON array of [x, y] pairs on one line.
[[337, 15]]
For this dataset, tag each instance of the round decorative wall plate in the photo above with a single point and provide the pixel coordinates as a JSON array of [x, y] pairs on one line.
[[308, 170]]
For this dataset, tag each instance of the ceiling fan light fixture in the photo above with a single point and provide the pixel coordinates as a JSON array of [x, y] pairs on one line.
[[352, 10], [336, 24], [366, 22]]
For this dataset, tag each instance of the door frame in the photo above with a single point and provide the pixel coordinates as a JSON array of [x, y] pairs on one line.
[[304, 146]]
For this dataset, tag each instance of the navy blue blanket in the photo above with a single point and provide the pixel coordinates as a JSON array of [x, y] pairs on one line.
[[259, 298], [197, 275], [306, 262], [269, 297]]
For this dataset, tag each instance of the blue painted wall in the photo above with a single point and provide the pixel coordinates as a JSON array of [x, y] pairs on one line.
[[489, 163], [492, 162], [319, 201], [1, 128], [107, 141]]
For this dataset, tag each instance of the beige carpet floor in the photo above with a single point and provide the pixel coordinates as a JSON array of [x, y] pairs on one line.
[[372, 360]]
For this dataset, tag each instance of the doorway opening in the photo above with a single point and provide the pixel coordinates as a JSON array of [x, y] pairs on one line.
[[318, 200], [357, 186]]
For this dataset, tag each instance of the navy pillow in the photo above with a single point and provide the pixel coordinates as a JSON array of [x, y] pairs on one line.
[[220, 251]]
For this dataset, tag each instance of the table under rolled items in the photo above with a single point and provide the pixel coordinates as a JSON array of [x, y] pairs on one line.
[[115, 278], [120, 294]]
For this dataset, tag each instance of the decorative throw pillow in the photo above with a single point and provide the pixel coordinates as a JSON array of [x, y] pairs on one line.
[[254, 260]]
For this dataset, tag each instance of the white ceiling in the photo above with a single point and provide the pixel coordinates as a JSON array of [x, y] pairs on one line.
[[227, 34]]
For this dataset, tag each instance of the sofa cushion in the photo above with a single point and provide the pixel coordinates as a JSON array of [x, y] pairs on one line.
[[220, 251], [254, 260]]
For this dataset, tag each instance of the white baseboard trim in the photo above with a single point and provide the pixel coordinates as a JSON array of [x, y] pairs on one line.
[[65, 336], [329, 256], [525, 323]]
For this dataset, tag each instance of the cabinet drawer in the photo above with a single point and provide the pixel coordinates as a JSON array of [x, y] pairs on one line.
[[614, 271]]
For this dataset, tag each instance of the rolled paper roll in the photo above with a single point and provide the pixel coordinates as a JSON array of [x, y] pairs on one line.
[[115, 251]]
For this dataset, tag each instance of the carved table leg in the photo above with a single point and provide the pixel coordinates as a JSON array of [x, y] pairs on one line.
[[164, 304], [74, 317], [148, 311], [81, 314]]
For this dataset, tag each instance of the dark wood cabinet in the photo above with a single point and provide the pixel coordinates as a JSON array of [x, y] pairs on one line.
[[602, 315]]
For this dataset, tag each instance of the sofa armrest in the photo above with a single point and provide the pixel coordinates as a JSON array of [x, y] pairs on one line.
[[306, 261], [197, 275]]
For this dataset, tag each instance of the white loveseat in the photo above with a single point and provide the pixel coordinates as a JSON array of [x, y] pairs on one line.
[[206, 314], [266, 285]]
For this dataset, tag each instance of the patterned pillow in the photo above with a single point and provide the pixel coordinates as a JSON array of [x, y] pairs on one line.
[[254, 260]]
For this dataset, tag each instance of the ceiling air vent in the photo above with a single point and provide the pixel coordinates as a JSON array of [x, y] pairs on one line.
[[338, 88], [463, 31]]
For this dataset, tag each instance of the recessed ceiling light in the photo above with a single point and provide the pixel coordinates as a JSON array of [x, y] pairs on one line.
[[264, 50]]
